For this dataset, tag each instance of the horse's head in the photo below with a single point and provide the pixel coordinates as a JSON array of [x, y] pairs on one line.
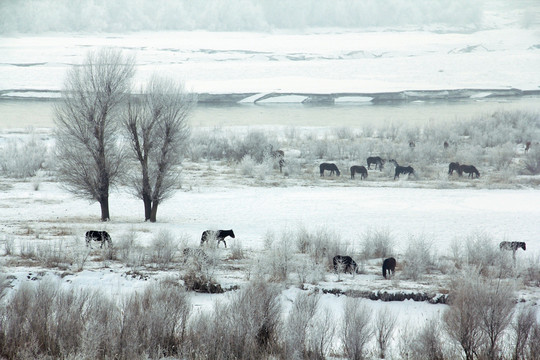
[[523, 245]]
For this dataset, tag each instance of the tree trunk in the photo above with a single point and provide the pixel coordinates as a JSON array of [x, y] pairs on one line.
[[147, 207], [154, 211], [104, 203]]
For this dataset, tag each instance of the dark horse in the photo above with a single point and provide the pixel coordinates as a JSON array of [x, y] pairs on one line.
[[469, 169], [512, 245], [454, 166], [388, 265], [279, 155], [355, 169], [375, 160], [344, 263], [219, 235], [402, 169], [329, 167], [101, 236]]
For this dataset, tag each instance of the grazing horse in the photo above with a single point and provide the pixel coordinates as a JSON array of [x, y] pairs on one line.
[[527, 146], [454, 166], [330, 167], [388, 265], [101, 236], [344, 263], [446, 145], [401, 169], [355, 169], [412, 144], [220, 235], [375, 160], [469, 169], [512, 245]]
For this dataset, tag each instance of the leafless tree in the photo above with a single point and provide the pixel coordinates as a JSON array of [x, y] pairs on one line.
[[525, 320], [462, 319], [385, 323], [297, 326], [496, 308], [157, 126], [356, 331], [90, 159]]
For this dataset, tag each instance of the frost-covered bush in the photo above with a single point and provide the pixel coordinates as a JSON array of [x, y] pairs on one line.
[[163, 249], [356, 331], [255, 144], [377, 243], [419, 257], [23, 158], [532, 162]]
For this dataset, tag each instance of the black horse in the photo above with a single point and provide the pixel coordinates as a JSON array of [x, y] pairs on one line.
[[278, 155], [329, 167], [219, 235], [512, 245], [359, 169], [375, 160], [401, 169], [454, 166], [470, 169], [96, 235], [344, 263], [388, 265]]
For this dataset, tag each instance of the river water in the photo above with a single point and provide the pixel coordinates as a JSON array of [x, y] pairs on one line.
[[40, 113]]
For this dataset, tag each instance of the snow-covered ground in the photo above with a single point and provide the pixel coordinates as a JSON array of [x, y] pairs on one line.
[[502, 53]]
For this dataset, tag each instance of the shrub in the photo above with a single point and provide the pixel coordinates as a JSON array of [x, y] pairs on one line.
[[303, 310], [428, 343], [163, 249], [377, 243], [356, 331], [385, 323], [419, 258], [23, 158], [532, 162]]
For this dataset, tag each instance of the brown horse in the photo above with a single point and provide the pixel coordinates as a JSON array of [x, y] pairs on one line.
[[356, 169], [388, 265], [329, 167], [454, 166], [469, 169]]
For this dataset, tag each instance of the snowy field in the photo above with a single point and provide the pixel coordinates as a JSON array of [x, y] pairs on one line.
[[43, 225]]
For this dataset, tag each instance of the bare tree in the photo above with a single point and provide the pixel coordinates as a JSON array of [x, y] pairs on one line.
[[462, 319], [385, 323], [90, 160], [525, 320], [496, 309], [158, 130], [356, 331]]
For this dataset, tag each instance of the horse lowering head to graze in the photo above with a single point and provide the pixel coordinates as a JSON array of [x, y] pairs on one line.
[[96, 235], [375, 160], [513, 246], [359, 169], [454, 166], [469, 169], [329, 167], [401, 169], [219, 235], [527, 146], [388, 265], [446, 145], [345, 264]]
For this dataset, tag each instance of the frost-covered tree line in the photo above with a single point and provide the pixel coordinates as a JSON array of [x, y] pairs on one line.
[[34, 16]]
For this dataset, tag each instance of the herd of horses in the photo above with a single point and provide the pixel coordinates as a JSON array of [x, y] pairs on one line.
[[341, 263], [378, 163]]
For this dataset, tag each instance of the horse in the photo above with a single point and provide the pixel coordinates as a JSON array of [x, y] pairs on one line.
[[344, 263], [469, 169], [402, 169], [446, 145], [454, 166], [330, 167], [375, 160], [412, 144], [388, 265], [96, 235], [220, 235], [512, 245], [356, 169], [527, 146]]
